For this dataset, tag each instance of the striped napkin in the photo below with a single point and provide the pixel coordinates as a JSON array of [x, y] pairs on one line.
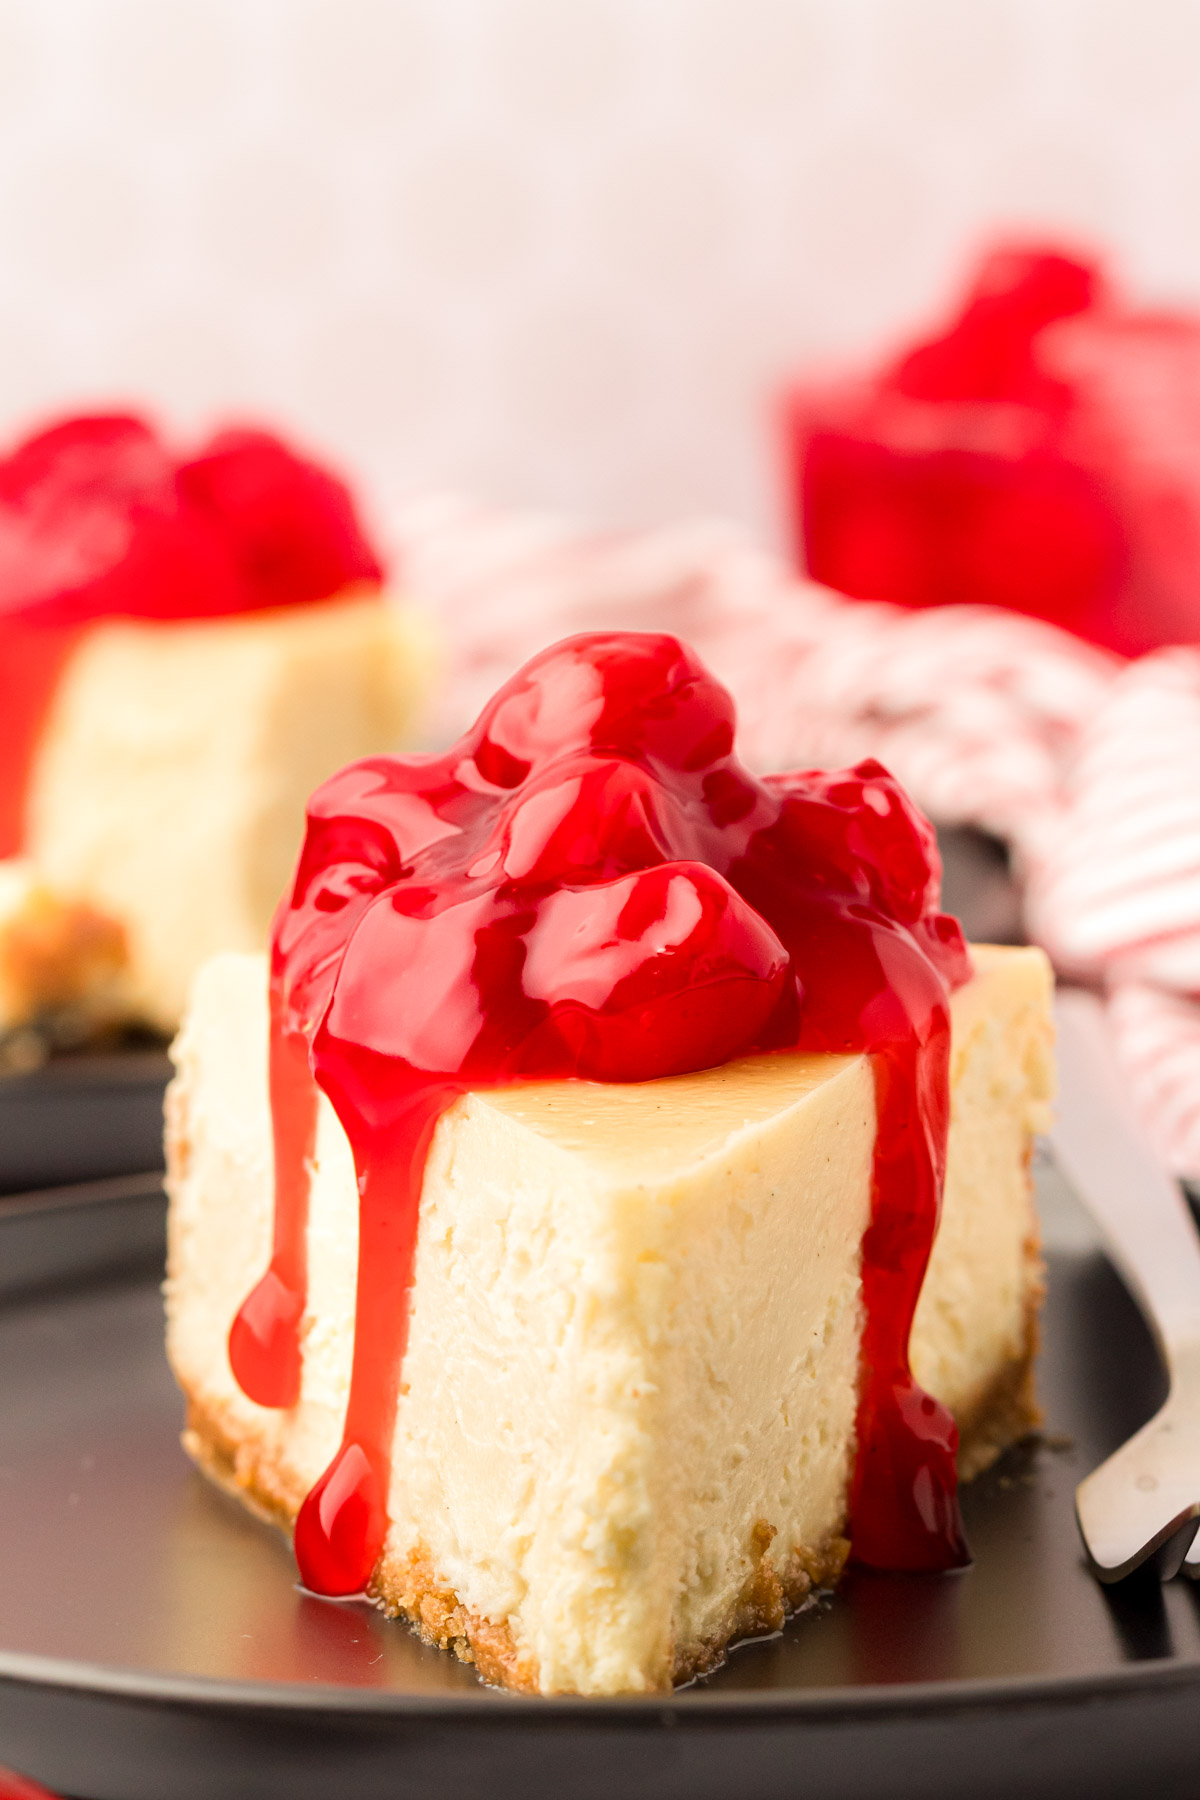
[[1088, 765]]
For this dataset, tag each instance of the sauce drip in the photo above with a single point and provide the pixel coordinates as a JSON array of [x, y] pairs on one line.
[[589, 884], [99, 520]]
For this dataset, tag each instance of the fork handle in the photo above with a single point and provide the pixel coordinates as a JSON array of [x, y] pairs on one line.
[[1099, 1144]]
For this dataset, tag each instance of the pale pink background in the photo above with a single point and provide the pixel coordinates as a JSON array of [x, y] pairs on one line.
[[551, 251]]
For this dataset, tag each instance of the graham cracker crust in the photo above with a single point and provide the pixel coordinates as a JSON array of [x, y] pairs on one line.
[[408, 1587], [1006, 1412], [63, 964], [411, 1587], [769, 1597]]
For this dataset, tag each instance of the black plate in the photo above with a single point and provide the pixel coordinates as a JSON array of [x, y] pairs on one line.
[[81, 1118], [153, 1642]]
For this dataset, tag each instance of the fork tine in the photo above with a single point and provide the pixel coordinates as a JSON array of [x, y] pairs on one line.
[[1165, 1553], [1142, 1503], [1171, 1555]]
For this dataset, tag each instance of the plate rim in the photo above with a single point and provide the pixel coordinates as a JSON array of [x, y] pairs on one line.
[[77, 1196], [818, 1705], [86, 1072]]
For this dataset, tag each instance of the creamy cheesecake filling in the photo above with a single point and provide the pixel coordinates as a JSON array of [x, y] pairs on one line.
[[589, 885]]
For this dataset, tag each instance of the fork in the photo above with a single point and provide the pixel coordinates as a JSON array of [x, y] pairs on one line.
[[1142, 1505]]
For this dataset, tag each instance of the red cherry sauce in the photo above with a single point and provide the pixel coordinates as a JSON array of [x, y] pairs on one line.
[[99, 520], [590, 884]]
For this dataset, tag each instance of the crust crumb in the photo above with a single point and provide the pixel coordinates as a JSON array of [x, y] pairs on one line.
[[764, 1605]]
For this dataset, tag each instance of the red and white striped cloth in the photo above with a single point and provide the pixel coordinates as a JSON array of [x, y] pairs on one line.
[[1087, 765]]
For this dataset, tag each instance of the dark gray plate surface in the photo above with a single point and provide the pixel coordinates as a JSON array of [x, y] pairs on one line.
[[81, 1118], [153, 1641]]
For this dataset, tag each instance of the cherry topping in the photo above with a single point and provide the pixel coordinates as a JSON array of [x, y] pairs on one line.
[[1004, 461], [652, 974], [590, 885]]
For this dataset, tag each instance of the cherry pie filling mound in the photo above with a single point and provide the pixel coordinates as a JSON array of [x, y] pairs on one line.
[[590, 885]]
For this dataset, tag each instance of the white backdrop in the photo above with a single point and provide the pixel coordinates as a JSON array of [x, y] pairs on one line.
[[551, 251]]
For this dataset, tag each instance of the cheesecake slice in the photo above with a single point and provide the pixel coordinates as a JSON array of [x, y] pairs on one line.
[[625, 1426], [188, 645]]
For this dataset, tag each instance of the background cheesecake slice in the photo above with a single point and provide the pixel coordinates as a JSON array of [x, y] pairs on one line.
[[188, 645], [626, 1427]]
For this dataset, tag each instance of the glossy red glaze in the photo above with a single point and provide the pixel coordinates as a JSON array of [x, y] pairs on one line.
[[18, 1787], [264, 1344], [99, 520], [1040, 454], [589, 884]]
